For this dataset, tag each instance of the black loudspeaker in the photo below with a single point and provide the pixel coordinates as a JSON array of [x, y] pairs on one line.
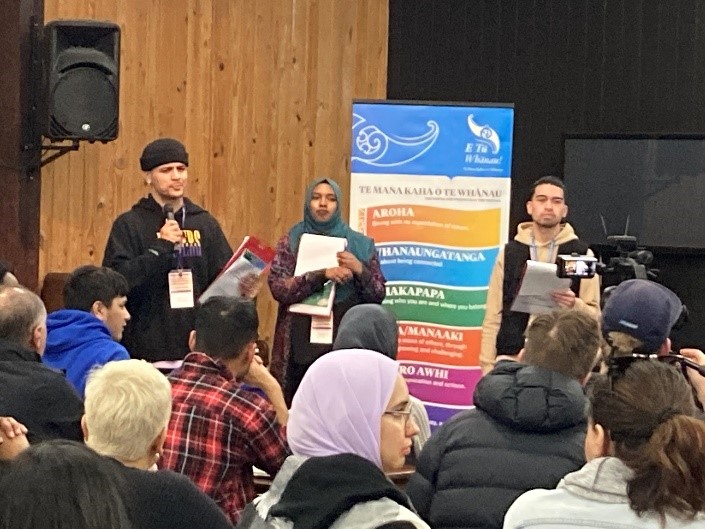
[[82, 80]]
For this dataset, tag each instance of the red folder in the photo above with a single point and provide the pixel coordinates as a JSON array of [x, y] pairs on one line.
[[252, 257]]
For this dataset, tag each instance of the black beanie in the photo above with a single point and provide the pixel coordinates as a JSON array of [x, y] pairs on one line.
[[161, 151]]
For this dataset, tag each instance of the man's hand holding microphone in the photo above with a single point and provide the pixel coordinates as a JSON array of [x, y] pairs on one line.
[[170, 231]]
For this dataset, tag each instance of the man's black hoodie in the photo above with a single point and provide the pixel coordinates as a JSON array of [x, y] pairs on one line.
[[156, 331]]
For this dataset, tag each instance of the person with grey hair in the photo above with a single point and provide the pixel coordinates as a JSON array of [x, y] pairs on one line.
[[128, 406], [34, 394]]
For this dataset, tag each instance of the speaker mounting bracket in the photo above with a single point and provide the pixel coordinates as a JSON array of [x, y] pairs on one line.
[[59, 150]]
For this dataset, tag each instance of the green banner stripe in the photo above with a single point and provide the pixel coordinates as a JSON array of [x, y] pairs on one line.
[[431, 304]]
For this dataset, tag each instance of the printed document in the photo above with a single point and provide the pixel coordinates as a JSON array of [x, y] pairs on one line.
[[539, 281]]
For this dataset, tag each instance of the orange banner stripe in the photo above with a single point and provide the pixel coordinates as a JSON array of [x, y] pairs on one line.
[[432, 225]]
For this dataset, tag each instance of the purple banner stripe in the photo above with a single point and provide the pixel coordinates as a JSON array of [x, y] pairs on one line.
[[441, 384]]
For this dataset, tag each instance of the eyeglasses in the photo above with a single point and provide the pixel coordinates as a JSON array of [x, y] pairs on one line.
[[403, 414]]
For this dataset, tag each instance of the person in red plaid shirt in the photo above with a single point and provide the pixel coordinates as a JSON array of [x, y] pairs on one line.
[[218, 429]]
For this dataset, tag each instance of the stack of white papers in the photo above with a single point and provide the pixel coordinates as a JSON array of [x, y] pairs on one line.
[[539, 281], [317, 252]]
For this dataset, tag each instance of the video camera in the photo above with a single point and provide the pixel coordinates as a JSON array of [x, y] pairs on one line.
[[631, 263], [576, 266]]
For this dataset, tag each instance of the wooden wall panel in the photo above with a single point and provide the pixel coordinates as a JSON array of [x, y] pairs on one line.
[[259, 91]]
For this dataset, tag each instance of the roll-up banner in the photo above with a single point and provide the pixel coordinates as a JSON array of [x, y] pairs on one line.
[[430, 184]]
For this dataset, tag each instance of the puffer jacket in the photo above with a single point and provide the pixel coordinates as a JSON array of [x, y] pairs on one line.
[[527, 431]]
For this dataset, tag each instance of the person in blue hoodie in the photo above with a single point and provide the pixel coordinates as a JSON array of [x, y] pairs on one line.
[[88, 330]]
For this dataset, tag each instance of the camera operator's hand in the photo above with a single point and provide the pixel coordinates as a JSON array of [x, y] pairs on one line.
[[696, 379], [564, 298]]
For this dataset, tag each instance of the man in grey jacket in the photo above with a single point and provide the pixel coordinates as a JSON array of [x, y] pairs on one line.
[[527, 430]]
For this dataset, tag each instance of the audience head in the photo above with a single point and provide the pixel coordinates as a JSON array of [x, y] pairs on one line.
[[61, 485], [353, 401], [564, 341], [368, 326], [102, 292], [638, 317], [226, 329], [643, 413], [127, 410], [23, 318], [7, 277]]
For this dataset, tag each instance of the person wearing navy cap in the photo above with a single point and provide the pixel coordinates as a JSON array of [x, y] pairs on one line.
[[638, 317], [637, 321]]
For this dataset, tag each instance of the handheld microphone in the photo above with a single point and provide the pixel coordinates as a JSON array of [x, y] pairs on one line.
[[169, 212]]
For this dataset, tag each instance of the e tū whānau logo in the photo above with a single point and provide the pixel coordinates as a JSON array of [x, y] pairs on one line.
[[484, 134]]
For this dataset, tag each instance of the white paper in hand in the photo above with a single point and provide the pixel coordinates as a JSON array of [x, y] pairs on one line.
[[539, 281], [317, 252]]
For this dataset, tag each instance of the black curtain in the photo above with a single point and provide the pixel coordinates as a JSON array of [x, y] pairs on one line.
[[589, 66]]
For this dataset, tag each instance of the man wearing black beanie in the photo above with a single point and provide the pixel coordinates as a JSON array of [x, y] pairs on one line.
[[169, 250]]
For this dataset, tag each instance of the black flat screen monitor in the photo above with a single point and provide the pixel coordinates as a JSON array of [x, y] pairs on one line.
[[650, 187]]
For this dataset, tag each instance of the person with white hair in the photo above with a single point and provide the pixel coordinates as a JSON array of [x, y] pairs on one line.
[[128, 406]]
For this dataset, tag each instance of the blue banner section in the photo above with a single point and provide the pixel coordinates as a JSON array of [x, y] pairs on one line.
[[437, 264], [432, 140], [437, 415]]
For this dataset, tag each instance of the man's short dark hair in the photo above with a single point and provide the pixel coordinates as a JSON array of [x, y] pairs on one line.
[[549, 179], [88, 284], [565, 341], [225, 325], [21, 310]]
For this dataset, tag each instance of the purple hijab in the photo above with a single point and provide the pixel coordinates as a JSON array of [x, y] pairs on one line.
[[339, 405]]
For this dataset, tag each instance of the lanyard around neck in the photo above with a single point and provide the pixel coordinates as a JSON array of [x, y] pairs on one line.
[[533, 249], [179, 248]]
